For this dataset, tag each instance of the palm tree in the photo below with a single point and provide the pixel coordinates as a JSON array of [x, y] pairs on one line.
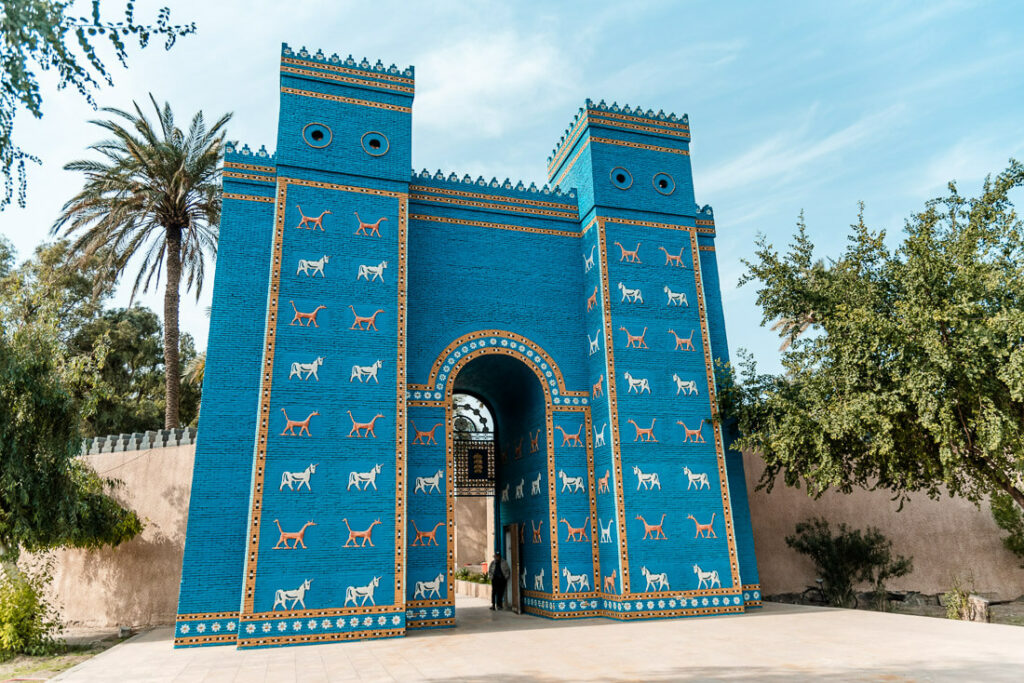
[[155, 195]]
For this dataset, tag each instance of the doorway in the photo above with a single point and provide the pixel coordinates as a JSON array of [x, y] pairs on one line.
[[512, 394]]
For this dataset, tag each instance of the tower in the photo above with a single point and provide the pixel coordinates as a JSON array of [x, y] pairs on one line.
[[646, 242]]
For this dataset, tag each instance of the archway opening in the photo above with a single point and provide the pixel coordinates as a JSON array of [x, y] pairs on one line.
[[513, 394]]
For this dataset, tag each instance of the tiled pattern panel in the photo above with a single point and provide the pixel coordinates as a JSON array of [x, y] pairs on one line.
[[675, 520], [329, 470], [430, 590]]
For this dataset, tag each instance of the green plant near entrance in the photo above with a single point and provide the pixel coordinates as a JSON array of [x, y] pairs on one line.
[[847, 558], [464, 574]]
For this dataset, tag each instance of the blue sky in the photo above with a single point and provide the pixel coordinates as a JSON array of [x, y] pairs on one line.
[[793, 106]]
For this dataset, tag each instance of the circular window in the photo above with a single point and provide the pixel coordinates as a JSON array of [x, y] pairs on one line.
[[621, 178], [317, 135], [663, 183], [375, 144]]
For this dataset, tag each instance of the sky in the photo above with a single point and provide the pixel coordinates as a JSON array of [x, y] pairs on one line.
[[796, 106]]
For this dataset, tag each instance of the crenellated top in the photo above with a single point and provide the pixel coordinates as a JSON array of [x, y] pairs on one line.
[[626, 117], [494, 186], [706, 212], [243, 155], [350, 63]]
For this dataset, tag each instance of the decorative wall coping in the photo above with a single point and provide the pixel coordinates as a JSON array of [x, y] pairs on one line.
[[350, 62], [659, 117], [243, 154], [139, 441], [494, 186]]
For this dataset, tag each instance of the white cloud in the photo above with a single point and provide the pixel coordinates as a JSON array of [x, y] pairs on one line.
[[791, 154], [966, 162], [482, 87]]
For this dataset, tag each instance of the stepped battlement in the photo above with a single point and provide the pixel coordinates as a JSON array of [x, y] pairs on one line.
[[631, 119], [348, 62], [244, 155], [493, 186]]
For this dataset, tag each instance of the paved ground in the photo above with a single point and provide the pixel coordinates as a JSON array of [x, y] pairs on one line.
[[777, 643]]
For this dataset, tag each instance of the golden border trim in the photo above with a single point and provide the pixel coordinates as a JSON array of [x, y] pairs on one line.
[[600, 121], [638, 145], [613, 406], [706, 247], [348, 70], [203, 616], [250, 167], [677, 125], [346, 100], [248, 197], [574, 216], [400, 405], [478, 195], [249, 176], [214, 638], [487, 224], [389, 87]]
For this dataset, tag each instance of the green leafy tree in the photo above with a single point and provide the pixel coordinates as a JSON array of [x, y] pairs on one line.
[[47, 497], [123, 390], [156, 197], [45, 287], [40, 35], [132, 396], [910, 373], [1010, 519]]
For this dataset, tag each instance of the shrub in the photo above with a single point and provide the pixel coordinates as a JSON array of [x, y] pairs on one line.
[[955, 599], [464, 574], [1009, 518], [847, 558], [28, 622]]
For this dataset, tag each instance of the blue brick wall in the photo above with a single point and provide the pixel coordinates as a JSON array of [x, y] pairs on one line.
[[512, 294]]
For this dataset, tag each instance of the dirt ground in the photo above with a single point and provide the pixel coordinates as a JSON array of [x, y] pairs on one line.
[[81, 645]]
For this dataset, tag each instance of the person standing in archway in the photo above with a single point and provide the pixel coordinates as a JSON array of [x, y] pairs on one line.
[[498, 572]]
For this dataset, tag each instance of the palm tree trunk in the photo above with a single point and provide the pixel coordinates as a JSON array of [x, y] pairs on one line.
[[172, 369]]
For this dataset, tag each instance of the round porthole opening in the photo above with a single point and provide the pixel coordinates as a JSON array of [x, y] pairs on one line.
[[664, 183], [317, 135], [621, 178], [375, 144]]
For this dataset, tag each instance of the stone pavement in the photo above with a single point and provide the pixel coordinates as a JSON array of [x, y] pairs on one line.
[[777, 643]]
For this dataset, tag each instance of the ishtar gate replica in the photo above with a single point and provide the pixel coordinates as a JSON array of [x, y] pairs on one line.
[[354, 302]]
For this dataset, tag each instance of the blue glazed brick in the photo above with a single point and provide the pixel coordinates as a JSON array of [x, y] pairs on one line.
[[352, 299]]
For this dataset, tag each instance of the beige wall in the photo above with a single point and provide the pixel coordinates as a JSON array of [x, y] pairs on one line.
[[474, 530], [135, 584], [945, 537]]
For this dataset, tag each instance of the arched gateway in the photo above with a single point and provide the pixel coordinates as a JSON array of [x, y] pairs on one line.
[[352, 300]]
